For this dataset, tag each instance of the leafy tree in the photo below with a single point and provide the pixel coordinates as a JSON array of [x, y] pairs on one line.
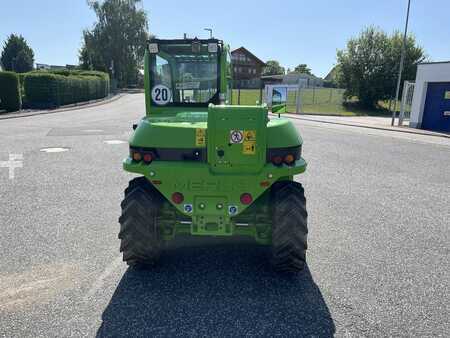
[[303, 69], [368, 67], [116, 43], [17, 56], [273, 68], [332, 78]]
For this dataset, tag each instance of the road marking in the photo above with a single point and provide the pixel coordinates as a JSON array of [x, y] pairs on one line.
[[35, 286], [54, 150], [28, 287], [92, 130], [101, 279], [114, 141], [14, 161]]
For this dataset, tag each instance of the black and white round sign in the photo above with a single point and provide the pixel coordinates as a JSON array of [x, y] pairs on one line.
[[161, 95], [236, 136]]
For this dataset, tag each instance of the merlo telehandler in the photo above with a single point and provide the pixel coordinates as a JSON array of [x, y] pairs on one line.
[[207, 167]]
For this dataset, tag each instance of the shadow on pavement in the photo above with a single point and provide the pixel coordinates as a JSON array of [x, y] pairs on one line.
[[224, 289]]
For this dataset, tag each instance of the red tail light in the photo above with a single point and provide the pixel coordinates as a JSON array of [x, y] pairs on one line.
[[148, 158], [277, 160], [177, 197], [246, 198]]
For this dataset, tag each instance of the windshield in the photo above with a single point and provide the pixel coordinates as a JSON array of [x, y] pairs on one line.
[[184, 73]]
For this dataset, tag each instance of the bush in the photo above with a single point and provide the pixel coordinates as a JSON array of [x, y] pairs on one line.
[[61, 87], [329, 84], [10, 91]]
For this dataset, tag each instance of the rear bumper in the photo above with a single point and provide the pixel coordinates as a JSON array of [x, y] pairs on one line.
[[211, 200]]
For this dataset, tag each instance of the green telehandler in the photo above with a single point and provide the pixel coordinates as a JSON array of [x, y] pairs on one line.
[[209, 168]]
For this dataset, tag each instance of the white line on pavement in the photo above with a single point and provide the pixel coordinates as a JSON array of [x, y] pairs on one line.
[[101, 279]]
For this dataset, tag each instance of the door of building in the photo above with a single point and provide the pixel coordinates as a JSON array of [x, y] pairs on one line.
[[436, 113]]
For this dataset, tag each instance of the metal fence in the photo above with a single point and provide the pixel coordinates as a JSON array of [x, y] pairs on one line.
[[302, 99], [406, 103]]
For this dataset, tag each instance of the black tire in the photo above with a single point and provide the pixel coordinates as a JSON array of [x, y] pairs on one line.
[[289, 226], [141, 240]]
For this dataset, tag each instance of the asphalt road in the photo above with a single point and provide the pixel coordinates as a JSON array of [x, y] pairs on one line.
[[378, 259]]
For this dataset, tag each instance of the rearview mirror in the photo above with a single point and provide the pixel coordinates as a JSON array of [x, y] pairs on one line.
[[279, 99], [279, 95]]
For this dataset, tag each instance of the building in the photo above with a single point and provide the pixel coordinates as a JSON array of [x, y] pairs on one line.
[[293, 78], [247, 68], [54, 67], [431, 100]]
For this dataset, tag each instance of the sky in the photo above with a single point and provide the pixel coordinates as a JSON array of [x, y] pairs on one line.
[[290, 31]]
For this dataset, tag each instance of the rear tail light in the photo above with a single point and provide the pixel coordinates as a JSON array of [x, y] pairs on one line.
[[277, 160], [288, 155], [289, 159], [177, 197], [137, 156], [148, 158], [246, 198]]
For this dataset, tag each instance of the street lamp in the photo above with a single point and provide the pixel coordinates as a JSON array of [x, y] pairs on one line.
[[210, 32], [402, 61]]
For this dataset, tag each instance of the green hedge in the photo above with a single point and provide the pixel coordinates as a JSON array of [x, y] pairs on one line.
[[57, 88], [10, 91]]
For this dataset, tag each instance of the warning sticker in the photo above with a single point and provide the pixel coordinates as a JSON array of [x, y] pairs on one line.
[[249, 135], [200, 137], [236, 136], [249, 148]]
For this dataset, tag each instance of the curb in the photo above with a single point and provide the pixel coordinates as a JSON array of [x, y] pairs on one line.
[[70, 107], [371, 127]]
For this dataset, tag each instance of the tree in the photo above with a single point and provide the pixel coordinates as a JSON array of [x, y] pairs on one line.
[[332, 78], [273, 68], [303, 69], [368, 67], [17, 56], [116, 43]]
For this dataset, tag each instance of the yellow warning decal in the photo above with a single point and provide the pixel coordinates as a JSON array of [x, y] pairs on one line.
[[249, 135], [249, 148], [200, 137]]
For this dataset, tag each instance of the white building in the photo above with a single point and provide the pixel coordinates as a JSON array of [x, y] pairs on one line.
[[431, 101]]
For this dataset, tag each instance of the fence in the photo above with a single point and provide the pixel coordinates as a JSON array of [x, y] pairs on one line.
[[301, 100], [405, 105], [246, 97]]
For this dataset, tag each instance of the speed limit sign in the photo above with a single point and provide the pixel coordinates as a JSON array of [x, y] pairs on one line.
[[161, 95]]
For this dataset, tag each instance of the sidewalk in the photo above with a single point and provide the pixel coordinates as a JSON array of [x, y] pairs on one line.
[[372, 122], [74, 106]]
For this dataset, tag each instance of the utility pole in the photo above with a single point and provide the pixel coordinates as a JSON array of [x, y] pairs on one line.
[[210, 32], [402, 61]]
